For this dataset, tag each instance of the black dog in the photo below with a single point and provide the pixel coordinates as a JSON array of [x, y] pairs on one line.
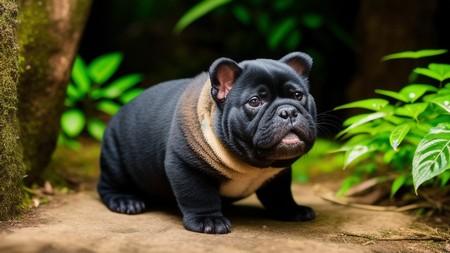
[[213, 138]]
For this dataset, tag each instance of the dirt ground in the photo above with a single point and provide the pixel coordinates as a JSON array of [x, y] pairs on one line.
[[80, 223]]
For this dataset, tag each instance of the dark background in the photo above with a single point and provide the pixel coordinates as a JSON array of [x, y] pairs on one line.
[[349, 43]]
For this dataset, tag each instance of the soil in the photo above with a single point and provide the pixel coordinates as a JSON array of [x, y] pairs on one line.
[[79, 222]]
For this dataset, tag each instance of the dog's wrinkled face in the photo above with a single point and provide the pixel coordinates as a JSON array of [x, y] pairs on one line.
[[265, 112]]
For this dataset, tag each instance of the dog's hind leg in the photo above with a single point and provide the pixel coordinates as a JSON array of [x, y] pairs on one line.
[[115, 188], [117, 200]]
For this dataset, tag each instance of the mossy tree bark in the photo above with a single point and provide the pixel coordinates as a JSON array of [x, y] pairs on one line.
[[11, 166], [49, 33], [387, 27]]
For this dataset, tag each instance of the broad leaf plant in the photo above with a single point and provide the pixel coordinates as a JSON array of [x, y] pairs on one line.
[[406, 131], [89, 94]]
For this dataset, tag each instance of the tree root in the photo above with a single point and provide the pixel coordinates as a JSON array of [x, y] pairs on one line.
[[330, 196]]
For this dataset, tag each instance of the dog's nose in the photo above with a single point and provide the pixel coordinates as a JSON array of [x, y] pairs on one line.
[[287, 112]]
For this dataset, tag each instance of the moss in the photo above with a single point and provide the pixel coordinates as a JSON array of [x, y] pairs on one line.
[[47, 38], [33, 20], [11, 166], [34, 44]]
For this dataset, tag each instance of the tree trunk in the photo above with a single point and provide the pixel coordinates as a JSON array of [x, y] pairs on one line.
[[11, 166], [49, 33], [387, 27]]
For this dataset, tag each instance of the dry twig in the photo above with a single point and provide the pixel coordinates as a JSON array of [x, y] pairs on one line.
[[374, 238]]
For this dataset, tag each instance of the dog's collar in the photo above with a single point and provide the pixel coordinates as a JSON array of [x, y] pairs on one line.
[[223, 157]]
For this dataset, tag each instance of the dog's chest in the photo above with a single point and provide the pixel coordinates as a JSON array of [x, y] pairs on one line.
[[244, 184]]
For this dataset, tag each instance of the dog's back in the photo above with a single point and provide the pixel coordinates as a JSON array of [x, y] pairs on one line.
[[128, 146]]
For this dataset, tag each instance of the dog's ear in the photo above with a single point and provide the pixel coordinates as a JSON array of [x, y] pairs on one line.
[[223, 73], [300, 62]]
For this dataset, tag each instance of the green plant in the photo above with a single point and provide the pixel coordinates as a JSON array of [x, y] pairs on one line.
[[317, 161], [88, 94], [280, 22], [408, 133], [197, 11]]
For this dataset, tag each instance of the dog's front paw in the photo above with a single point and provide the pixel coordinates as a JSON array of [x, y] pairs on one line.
[[208, 224]]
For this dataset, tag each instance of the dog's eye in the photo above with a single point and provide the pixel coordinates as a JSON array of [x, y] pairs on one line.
[[298, 95], [254, 102]]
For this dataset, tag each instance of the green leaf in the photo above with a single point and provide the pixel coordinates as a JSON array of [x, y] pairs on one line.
[[68, 142], [363, 129], [445, 177], [80, 75], [281, 31], [354, 119], [372, 128], [397, 184], [414, 91], [312, 20], [118, 87], [282, 5], [293, 40], [444, 91], [360, 139], [96, 93], [367, 118], [73, 122], [443, 101], [415, 54], [130, 95], [429, 73], [263, 23], [69, 103], [347, 184], [108, 107], [242, 13], [374, 104], [411, 110], [412, 77], [380, 140], [355, 153], [398, 134], [432, 155], [388, 156], [442, 69], [393, 94], [395, 120], [444, 118], [409, 93], [196, 12], [96, 128], [103, 67], [73, 93]]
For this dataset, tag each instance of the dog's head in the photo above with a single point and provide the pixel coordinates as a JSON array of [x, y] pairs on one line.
[[265, 113]]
